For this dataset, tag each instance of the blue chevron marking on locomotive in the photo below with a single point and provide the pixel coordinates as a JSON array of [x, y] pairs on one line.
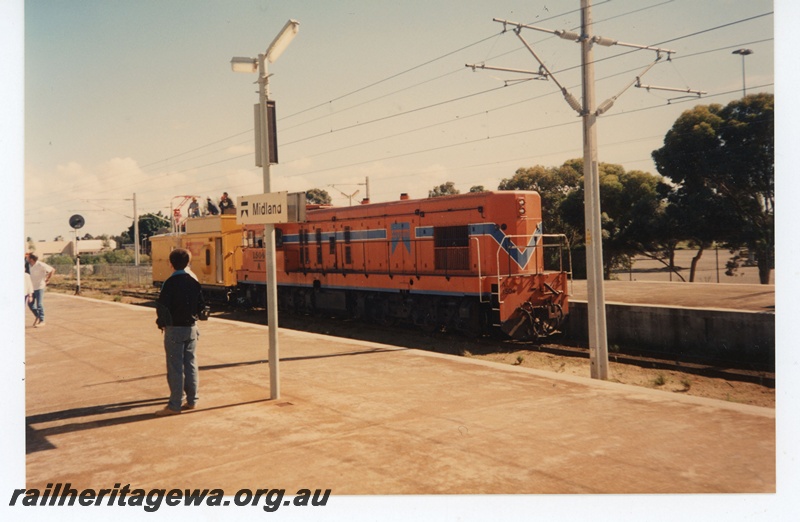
[[401, 233], [520, 257]]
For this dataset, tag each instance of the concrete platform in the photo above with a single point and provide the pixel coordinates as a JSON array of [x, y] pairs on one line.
[[360, 419], [741, 297]]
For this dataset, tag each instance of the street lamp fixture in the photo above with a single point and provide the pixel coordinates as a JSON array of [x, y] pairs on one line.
[[244, 65], [743, 53], [282, 41], [251, 65]]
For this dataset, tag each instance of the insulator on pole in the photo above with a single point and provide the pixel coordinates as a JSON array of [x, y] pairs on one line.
[[567, 35], [605, 106], [575, 104], [606, 42]]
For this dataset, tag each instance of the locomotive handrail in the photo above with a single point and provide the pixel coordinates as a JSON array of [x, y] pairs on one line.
[[561, 256], [480, 275], [533, 247], [497, 264]]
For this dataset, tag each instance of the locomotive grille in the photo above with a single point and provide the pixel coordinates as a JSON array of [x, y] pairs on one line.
[[451, 248]]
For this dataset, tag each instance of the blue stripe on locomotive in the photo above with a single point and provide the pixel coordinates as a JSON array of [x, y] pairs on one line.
[[520, 256]]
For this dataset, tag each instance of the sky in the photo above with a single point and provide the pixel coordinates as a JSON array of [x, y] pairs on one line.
[[139, 97], [107, 99]]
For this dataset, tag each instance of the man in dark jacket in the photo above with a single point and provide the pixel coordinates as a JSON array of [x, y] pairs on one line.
[[226, 205], [178, 307]]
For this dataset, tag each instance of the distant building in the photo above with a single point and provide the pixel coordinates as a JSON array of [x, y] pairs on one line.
[[44, 249], [95, 246], [67, 248]]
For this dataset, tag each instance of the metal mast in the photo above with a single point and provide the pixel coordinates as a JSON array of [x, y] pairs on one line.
[[589, 111], [598, 339]]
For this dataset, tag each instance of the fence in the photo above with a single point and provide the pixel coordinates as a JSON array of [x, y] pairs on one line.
[[131, 275]]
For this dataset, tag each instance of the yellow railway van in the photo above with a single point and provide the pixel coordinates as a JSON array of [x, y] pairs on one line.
[[216, 246]]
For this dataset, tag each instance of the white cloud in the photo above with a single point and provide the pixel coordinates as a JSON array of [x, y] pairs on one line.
[[103, 194]]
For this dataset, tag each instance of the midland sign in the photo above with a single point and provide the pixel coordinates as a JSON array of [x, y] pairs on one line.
[[275, 207]]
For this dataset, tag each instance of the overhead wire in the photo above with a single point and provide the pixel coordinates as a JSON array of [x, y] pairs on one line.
[[196, 148], [413, 110], [575, 123], [396, 75], [434, 60], [482, 139], [393, 76], [460, 118]]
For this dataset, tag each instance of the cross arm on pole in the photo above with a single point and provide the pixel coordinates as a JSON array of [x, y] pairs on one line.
[[571, 100], [540, 75], [606, 105]]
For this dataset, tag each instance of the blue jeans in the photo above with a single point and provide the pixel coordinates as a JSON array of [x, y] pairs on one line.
[[36, 305], [180, 343]]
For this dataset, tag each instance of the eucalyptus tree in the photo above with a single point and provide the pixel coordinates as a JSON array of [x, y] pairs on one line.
[[722, 161]]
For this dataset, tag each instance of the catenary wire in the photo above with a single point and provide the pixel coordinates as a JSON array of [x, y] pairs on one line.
[[244, 132]]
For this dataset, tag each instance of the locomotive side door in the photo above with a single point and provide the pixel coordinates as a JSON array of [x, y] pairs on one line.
[[218, 261]]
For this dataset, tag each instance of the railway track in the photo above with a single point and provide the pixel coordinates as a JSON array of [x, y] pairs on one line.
[[95, 287], [453, 344], [140, 294]]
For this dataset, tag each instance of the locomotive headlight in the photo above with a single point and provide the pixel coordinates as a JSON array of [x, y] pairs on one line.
[[521, 206]]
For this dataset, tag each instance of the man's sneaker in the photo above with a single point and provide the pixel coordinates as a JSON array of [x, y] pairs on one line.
[[187, 406], [166, 412]]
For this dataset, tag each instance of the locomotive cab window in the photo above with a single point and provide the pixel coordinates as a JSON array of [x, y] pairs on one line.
[[451, 248], [278, 238]]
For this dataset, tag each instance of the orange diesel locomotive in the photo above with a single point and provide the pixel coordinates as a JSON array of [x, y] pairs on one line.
[[466, 262]]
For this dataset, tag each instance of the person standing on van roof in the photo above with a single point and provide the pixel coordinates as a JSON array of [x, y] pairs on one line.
[[194, 208], [225, 203], [212, 208]]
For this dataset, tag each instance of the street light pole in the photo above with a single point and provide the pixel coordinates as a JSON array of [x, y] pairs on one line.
[[269, 236], [274, 50], [743, 53]]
